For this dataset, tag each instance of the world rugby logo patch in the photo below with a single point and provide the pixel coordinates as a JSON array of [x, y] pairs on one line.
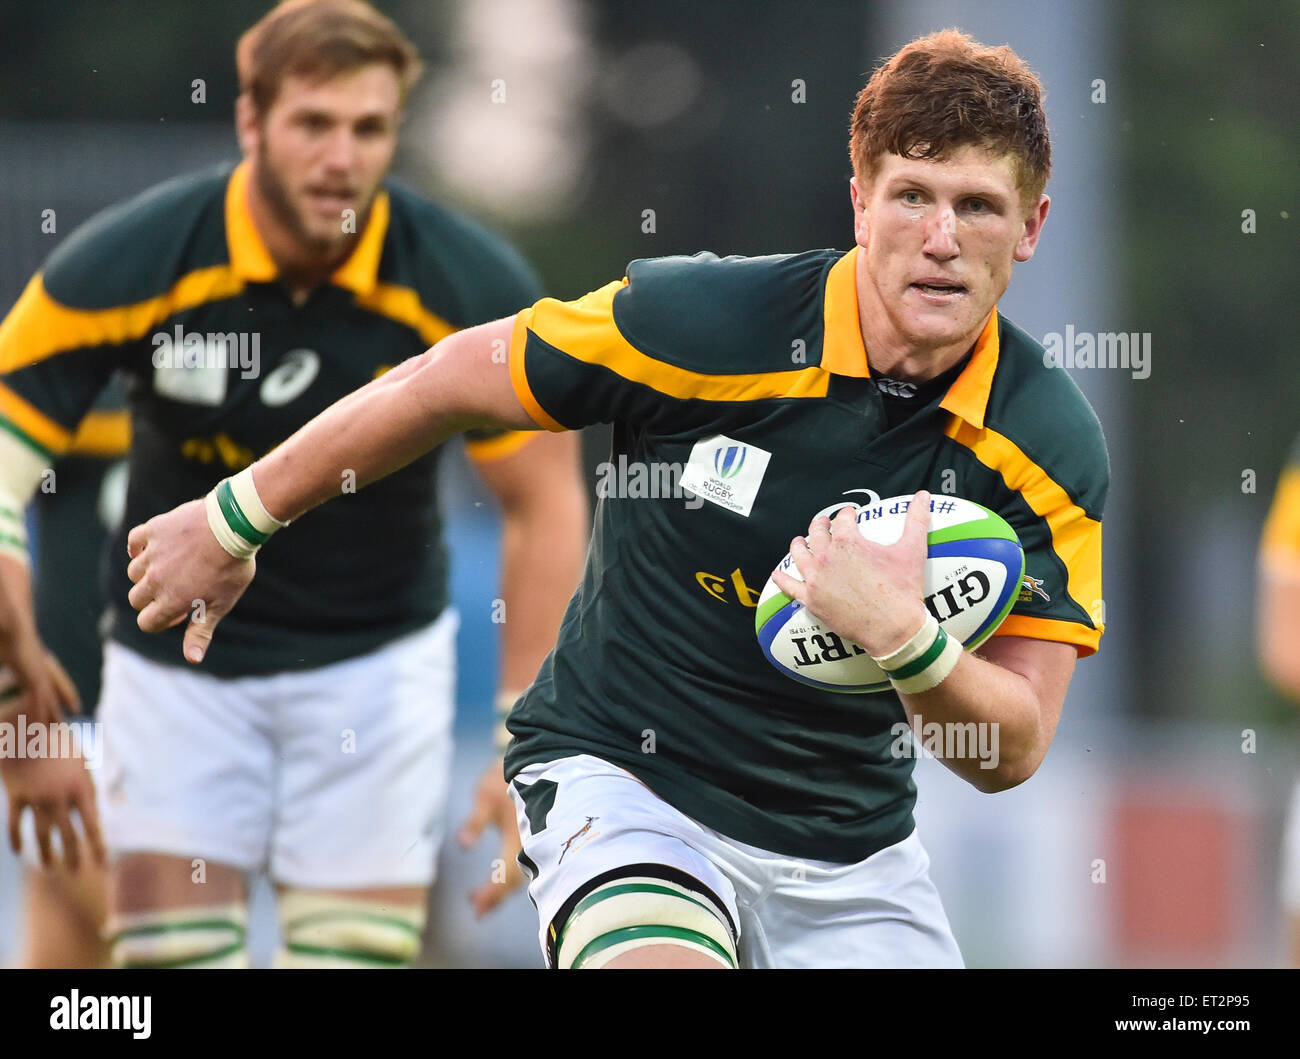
[[726, 472], [728, 460]]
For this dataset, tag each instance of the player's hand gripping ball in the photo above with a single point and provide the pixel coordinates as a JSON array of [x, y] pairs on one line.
[[973, 572]]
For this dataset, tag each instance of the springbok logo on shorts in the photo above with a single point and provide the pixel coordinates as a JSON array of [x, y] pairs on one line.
[[576, 835]]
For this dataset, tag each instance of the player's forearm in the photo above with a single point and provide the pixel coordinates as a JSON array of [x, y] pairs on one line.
[[17, 616], [989, 724], [17, 620], [459, 384], [369, 434]]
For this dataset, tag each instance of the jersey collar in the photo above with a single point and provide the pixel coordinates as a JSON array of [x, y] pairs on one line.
[[843, 352], [252, 262]]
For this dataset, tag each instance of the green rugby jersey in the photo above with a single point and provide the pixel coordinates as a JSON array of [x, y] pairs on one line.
[[175, 292], [750, 374]]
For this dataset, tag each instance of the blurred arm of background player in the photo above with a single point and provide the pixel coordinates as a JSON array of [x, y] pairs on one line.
[[45, 690], [543, 548], [52, 787]]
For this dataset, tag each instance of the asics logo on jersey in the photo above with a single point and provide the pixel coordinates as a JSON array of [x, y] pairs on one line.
[[296, 371], [728, 460], [830, 512]]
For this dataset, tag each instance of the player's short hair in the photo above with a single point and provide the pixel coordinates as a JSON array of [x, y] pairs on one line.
[[946, 91], [318, 40]]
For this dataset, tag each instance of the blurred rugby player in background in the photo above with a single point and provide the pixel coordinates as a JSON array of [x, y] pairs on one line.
[[314, 743], [65, 903]]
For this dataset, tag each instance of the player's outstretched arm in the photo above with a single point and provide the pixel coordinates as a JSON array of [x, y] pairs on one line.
[[179, 568]]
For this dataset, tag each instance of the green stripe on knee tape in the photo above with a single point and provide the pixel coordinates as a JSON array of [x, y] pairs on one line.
[[657, 934]]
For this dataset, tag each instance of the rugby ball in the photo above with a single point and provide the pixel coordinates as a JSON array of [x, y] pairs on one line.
[[972, 576]]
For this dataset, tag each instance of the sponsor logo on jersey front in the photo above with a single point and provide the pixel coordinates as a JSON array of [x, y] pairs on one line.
[[726, 472], [734, 586], [194, 366]]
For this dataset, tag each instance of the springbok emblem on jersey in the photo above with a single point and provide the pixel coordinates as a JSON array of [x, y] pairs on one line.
[[1035, 585]]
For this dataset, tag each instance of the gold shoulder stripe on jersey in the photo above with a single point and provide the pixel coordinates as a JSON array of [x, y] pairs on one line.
[[37, 430], [1076, 538], [519, 376], [586, 331], [403, 305], [1053, 629], [106, 434], [38, 327]]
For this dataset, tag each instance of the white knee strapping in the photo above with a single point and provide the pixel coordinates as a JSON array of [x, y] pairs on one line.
[[636, 912], [329, 930], [205, 936]]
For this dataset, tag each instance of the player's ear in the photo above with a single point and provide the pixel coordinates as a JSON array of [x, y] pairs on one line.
[[858, 198], [247, 124], [1033, 229]]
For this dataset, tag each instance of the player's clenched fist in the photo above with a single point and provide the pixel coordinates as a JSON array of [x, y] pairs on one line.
[[871, 593], [180, 571]]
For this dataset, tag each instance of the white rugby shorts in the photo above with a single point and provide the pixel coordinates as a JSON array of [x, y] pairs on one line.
[[329, 778], [788, 912]]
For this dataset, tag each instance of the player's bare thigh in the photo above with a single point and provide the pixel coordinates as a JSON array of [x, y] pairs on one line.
[[663, 957], [407, 896], [154, 882]]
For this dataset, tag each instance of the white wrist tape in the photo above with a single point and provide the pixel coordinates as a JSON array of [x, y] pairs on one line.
[[21, 470], [924, 661], [237, 517]]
